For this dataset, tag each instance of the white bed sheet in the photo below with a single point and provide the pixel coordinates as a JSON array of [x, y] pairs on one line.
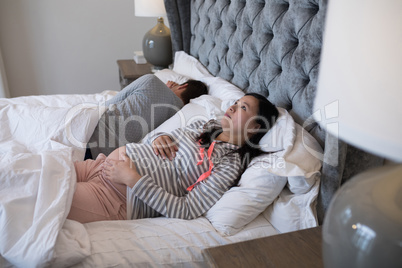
[[38, 144], [158, 242]]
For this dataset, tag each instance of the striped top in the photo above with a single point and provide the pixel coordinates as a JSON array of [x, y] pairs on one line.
[[162, 189]]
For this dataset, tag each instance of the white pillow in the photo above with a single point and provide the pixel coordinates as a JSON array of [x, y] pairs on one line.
[[189, 66], [294, 145], [292, 212], [222, 89], [167, 74], [266, 176], [280, 137], [211, 104], [303, 167], [243, 203], [295, 207], [190, 113]]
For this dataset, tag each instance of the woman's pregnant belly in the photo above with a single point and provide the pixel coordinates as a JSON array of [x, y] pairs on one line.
[[116, 154]]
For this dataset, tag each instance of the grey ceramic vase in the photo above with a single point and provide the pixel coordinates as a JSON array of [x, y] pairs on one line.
[[157, 46], [363, 224]]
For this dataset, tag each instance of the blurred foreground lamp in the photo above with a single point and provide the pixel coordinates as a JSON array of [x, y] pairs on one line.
[[157, 43], [361, 73]]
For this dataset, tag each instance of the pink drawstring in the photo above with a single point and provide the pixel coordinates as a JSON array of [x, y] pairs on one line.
[[211, 165], [202, 149]]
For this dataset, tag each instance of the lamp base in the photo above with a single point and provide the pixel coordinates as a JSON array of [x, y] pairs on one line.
[[157, 46], [363, 225]]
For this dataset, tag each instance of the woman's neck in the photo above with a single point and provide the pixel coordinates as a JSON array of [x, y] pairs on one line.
[[226, 137]]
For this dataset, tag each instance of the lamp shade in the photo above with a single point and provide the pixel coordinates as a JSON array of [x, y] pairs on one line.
[[360, 88], [149, 8], [361, 71]]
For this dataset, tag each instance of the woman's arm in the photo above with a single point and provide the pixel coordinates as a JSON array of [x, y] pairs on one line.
[[194, 203], [119, 168]]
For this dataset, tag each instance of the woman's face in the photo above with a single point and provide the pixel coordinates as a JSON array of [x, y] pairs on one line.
[[240, 118]]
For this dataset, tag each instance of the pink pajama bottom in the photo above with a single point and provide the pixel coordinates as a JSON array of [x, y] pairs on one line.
[[96, 198]]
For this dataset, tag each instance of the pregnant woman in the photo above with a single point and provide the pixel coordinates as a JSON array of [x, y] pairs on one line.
[[178, 175]]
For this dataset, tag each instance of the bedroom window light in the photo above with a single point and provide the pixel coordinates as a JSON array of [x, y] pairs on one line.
[[157, 43], [360, 68]]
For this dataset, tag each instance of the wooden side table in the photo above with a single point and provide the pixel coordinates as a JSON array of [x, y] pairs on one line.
[[295, 249], [129, 71]]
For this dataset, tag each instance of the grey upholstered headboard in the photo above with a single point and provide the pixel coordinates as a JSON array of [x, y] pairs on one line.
[[271, 47]]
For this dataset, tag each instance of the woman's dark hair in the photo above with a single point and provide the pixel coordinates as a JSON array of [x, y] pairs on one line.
[[266, 117], [194, 89]]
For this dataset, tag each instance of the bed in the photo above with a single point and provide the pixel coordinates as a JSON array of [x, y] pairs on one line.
[[269, 47]]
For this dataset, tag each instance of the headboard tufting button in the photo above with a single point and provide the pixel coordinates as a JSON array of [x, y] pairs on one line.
[[287, 5], [316, 9], [306, 81]]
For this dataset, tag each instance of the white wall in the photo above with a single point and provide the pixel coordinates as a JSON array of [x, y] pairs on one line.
[[67, 46]]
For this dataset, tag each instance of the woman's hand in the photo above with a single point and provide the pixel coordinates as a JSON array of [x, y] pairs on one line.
[[165, 147], [121, 171]]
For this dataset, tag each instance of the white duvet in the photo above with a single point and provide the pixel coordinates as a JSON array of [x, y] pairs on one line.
[[37, 177], [40, 138]]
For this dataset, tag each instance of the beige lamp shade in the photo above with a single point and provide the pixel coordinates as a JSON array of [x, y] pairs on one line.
[[360, 88], [361, 73], [149, 8]]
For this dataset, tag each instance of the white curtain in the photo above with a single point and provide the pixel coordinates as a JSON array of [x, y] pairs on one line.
[[4, 92]]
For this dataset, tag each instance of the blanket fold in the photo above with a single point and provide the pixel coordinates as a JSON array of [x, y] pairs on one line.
[[37, 175]]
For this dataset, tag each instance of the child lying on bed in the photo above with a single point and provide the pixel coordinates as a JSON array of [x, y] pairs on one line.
[[177, 175], [138, 109]]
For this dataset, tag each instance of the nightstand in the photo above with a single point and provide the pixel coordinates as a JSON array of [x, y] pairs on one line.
[[129, 71], [295, 249]]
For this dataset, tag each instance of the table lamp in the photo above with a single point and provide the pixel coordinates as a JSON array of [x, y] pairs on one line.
[[157, 43], [361, 72]]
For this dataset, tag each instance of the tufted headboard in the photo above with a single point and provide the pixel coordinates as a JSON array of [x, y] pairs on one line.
[[271, 47], [268, 47]]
